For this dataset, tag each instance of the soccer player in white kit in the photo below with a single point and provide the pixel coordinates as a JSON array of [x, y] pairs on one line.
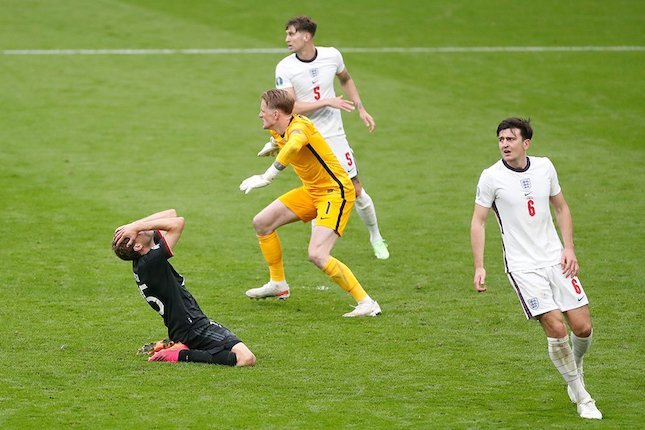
[[520, 190], [308, 74]]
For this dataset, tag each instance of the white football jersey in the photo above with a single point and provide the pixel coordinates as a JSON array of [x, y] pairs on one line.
[[520, 200], [314, 80]]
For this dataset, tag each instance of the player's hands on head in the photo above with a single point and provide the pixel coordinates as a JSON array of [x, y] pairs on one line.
[[127, 232], [480, 280]]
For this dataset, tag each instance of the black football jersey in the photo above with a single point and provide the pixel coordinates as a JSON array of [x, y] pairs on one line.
[[165, 291]]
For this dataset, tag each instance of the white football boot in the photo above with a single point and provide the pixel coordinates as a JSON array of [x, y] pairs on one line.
[[271, 289], [587, 409], [365, 308]]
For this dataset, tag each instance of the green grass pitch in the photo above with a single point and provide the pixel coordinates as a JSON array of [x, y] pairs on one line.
[[89, 142]]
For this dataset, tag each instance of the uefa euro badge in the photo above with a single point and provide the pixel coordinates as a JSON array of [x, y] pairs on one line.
[[533, 303], [526, 184]]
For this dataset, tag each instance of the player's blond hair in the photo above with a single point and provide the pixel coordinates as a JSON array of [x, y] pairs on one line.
[[279, 99]]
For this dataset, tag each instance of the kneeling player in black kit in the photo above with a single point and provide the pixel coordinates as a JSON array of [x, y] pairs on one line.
[[148, 243]]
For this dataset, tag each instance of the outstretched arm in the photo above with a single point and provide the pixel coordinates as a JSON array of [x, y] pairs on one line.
[[477, 242], [349, 87], [568, 261], [297, 140], [259, 181], [303, 108]]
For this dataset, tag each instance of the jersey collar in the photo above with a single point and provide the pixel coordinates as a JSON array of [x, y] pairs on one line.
[[528, 164], [312, 59], [285, 130]]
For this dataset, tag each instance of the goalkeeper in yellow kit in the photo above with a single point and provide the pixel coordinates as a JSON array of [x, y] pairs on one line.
[[326, 196]]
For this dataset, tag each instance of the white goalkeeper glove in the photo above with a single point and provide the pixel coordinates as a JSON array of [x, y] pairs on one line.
[[259, 181], [270, 149]]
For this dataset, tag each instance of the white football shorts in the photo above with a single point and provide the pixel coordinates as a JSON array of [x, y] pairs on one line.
[[547, 289], [344, 153]]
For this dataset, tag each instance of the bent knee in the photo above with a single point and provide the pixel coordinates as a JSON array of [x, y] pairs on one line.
[[258, 222], [582, 330], [261, 225], [553, 324], [318, 260]]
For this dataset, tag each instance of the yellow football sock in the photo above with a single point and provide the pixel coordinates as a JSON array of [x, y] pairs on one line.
[[344, 277], [272, 252]]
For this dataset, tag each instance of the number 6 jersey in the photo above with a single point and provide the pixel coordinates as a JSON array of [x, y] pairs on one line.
[[520, 200]]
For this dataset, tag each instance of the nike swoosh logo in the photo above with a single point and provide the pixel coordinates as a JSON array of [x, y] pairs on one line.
[[581, 298]]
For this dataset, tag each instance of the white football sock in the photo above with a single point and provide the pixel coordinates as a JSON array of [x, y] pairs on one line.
[[365, 208], [580, 345], [562, 357]]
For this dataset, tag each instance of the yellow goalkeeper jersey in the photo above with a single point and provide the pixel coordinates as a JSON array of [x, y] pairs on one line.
[[304, 148]]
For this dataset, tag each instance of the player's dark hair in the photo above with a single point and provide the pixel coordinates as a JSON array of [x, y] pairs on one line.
[[125, 252], [302, 23], [524, 125], [279, 99]]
